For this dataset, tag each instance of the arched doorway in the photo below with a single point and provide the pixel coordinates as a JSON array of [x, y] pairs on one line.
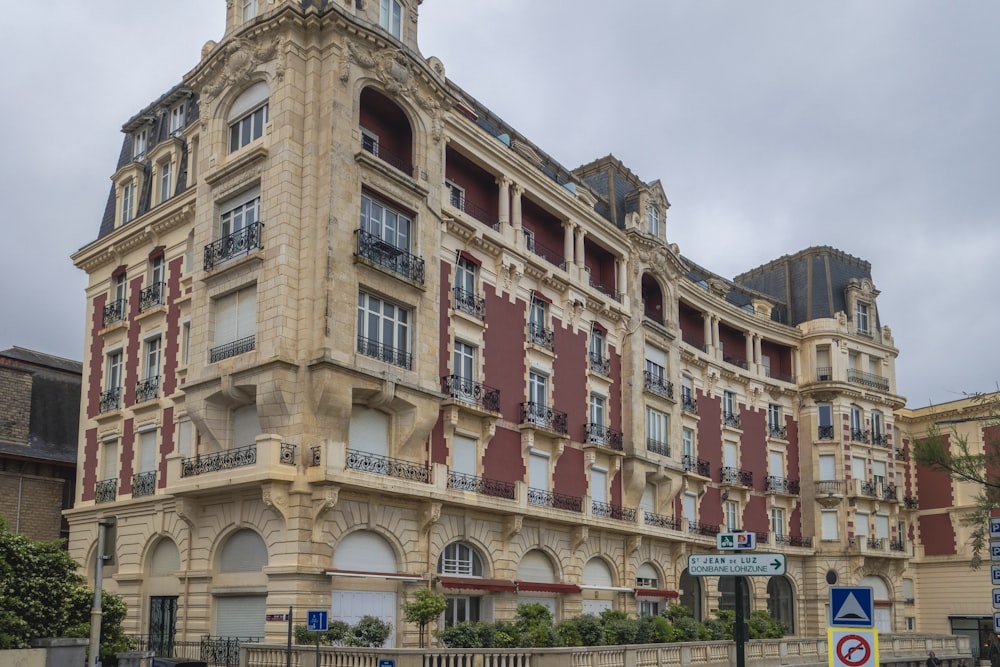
[[691, 594], [780, 603]]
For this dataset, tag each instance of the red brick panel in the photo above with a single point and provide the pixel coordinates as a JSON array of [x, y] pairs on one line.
[[502, 460], [937, 534]]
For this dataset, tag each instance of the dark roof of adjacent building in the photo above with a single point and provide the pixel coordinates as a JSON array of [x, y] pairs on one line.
[[812, 281], [53, 427]]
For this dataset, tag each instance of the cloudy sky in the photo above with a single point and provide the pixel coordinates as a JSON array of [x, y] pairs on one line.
[[773, 125]]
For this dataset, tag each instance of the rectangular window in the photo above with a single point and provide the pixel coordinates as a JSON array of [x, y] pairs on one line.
[[461, 610], [732, 516], [857, 420], [730, 455], [824, 372], [538, 332], [185, 342], [824, 414], [829, 525], [466, 294], [653, 220], [456, 195], [240, 216], [369, 141], [657, 432], [862, 317], [152, 365], [147, 451], [385, 223], [235, 319], [729, 413], [827, 467], [597, 341], [156, 270], [177, 119], [391, 17], [859, 468], [384, 330], [597, 410], [121, 290], [599, 485], [110, 462], [877, 430], [538, 471], [139, 145], [185, 437], [463, 456], [463, 386], [882, 526], [776, 464], [687, 442], [248, 128], [878, 472], [689, 509], [128, 202], [165, 180], [249, 9], [861, 524], [778, 521], [648, 607], [529, 239], [537, 393]]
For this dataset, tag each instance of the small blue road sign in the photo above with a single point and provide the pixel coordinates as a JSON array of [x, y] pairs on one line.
[[852, 606], [317, 621], [995, 527], [386, 662], [995, 569]]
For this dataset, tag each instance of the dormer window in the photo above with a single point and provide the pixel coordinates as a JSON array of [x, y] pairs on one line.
[[390, 17], [128, 201], [862, 318], [139, 145], [177, 119], [249, 9], [652, 220]]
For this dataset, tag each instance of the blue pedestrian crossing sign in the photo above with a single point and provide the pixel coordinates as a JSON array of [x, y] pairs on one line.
[[852, 606], [316, 621]]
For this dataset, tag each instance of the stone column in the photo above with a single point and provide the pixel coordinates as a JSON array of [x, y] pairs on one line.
[[503, 204], [568, 230], [707, 321], [621, 271], [751, 343], [581, 233]]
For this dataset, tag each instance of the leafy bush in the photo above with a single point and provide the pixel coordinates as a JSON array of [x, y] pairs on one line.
[[461, 635], [369, 632], [762, 626], [534, 626]]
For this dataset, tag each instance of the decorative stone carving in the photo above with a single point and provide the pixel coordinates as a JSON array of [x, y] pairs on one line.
[[579, 536], [241, 59], [321, 505], [512, 525], [430, 515]]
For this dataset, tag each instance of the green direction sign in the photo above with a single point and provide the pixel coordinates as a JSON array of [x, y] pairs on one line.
[[742, 564]]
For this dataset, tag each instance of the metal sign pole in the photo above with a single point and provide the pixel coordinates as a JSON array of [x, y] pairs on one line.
[[739, 628], [288, 654]]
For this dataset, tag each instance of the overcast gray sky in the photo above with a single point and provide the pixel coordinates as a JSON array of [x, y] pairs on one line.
[[774, 125]]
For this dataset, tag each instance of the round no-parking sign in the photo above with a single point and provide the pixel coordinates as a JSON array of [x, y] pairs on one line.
[[852, 647]]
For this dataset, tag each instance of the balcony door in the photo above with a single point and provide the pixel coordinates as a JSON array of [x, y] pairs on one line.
[[162, 624]]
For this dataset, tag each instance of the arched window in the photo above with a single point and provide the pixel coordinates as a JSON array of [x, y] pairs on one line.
[[165, 559], [364, 551], [244, 551], [780, 604], [461, 559], [691, 594], [248, 116]]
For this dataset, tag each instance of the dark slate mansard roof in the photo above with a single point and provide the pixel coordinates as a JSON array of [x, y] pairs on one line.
[[157, 117]]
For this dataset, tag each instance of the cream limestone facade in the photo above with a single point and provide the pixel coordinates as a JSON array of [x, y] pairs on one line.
[[350, 335]]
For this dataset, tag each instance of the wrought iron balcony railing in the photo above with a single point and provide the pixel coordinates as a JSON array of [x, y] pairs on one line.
[[792, 540], [734, 361], [661, 521], [383, 465], [470, 302], [880, 439], [876, 543], [373, 146], [537, 414], [859, 435], [777, 375], [607, 291], [694, 464], [897, 545], [731, 419], [658, 384], [609, 511], [776, 484], [240, 242], [869, 380], [474, 210], [868, 489], [900, 454], [152, 296], [390, 355], [316, 455], [558, 501], [598, 363], [889, 492], [115, 312], [779, 432], [657, 447], [481, 485], [227, 459], [911, 502], [825, 433], [467, 391], [699, 528], [689, 404], [539, 335], [599, 434], [148, 389], [730, 475], [824, 374], [384, 254], [106, 490], [144, 484], [111, 399], [237, 347]]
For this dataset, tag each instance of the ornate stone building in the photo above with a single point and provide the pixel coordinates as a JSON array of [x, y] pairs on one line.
[[350, 335]]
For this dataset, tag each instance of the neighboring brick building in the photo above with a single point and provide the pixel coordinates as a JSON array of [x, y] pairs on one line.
[[39, 427], [350, 334]]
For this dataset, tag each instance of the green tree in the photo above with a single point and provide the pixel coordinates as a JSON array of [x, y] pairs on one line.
[[42, 595], [949, 451], [424, 608]]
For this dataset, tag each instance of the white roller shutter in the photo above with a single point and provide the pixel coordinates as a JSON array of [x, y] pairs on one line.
[[463, 458], [369, 431], [538, 472], [246, 319], [827, 467], [364, 551], [599, 485], [351, 606], [246, 426], [596, 573], [147, 446], [595, 607], [248, 100], [226, 309], [647, 571], [647, 502], [536, 566], [656, 355], [244, 551], [240, 616]]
